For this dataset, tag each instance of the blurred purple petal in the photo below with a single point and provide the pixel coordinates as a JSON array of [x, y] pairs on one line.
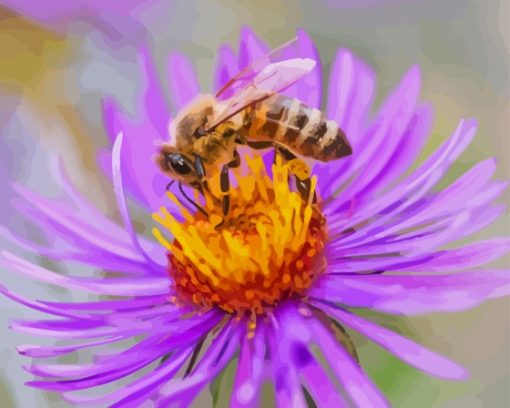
[[117, 22], [118, 188], [389, 129], [251, 47], [115, 287], [410, 145], [308, 89], [152, 102], [350, 93], [226, 67], [183, 84], [143, 179]]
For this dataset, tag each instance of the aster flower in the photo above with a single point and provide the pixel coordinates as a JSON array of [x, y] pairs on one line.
[[267, 288]]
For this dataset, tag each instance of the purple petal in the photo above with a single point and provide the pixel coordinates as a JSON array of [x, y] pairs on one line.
[[405, 349], [409, 146], [419, 241], [124, 367], [215, 359], [450, 199], [87, 255], [37, 305], [109, 306], [66, 329], [432, 231], [286, 381], [152, 102], [84, 206], [390, 125], [468, 256], [85, 329], [483, 217], [68, 222], [109, 325], [37, 351], [250, 370], [112, 286], [118, 188], [158, 343], [226, 68], [416, 185], [251, 47], [183, 83], [464, 257], [350, 94], [143, 179], [415, 294], [319, 385], [307, 89], [139, 389], [463, 194], [358, 385], [114, 366]]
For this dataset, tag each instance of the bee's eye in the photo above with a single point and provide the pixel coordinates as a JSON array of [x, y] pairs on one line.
[[177, 163], [199, 132]]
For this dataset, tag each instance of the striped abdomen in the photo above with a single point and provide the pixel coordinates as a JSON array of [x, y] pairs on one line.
[[305, 130]]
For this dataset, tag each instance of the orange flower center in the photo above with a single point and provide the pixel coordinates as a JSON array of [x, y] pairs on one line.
[[268, 248]]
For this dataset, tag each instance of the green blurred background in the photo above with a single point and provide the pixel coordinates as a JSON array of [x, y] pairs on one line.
[[53, 74]]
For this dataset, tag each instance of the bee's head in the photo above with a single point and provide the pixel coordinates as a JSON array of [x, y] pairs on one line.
[[177, 166]]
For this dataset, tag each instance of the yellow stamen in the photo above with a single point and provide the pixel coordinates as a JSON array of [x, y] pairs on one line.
[[266, 250]]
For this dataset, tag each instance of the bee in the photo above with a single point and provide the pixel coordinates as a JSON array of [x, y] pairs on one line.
[[206, 133]]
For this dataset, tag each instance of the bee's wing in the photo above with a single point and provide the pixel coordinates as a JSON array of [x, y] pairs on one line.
[[271, 79], [246, 74]]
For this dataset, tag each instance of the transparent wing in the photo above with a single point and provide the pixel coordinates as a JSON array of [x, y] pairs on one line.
[[259, 85], [245, 75]]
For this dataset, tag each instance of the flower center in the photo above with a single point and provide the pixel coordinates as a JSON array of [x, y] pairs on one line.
[[268, 248]]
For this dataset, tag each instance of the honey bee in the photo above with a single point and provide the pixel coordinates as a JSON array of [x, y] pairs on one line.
[[206, 133]]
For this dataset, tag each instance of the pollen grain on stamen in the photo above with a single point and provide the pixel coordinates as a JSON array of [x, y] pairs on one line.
[[269, 247]]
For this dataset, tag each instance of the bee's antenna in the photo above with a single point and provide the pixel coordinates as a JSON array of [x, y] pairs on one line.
[[197, 206]]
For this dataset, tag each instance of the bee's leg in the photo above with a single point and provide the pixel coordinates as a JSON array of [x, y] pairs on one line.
[[236, 162], [299, 169], [262, 144], [225, 187], [225, 184], [200, 169]]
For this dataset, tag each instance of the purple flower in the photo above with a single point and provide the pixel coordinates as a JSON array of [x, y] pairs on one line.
[[381, 228]]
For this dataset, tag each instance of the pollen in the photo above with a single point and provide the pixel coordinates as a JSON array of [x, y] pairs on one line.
[[269, 247]]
